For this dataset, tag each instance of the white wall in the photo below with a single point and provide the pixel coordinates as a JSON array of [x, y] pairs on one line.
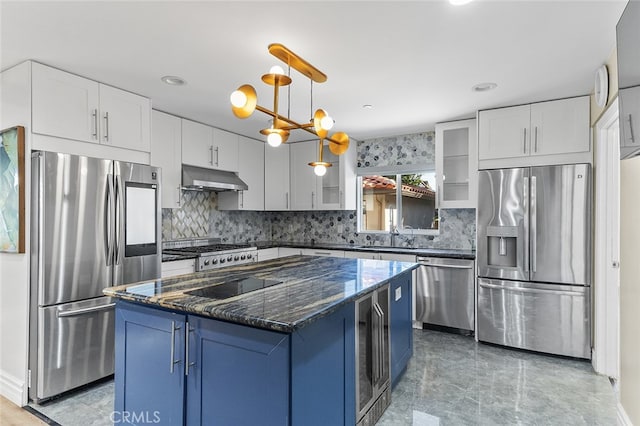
[[630, 289], [15, 109]]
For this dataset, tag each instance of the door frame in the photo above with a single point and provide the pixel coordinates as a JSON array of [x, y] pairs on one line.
[[606, 295]]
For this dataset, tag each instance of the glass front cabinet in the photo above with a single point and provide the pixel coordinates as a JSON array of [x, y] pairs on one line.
[[456, 164]]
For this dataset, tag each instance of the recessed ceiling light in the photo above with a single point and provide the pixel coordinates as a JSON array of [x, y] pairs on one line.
[[459, 2], [172, 80], [367, 106], [484, 87]]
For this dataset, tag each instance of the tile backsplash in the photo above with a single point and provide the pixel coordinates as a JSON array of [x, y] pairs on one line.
[[199, 216]]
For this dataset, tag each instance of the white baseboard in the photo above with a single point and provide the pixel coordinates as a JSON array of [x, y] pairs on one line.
[[623, 419], [12, 388]]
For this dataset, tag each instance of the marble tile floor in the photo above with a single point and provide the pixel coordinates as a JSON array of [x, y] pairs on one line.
[[451, 380]]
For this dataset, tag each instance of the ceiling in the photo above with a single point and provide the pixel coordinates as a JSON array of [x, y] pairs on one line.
[[415, 62]]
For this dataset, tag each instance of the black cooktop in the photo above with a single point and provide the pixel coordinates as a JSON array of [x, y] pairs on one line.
[[233, 288]]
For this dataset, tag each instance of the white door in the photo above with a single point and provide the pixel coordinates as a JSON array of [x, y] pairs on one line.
[[252, 173], [197, 144], [125, 119], [303, 180], [607, 244], [166, 153], [504, 132], [560, 127], [276, 178], [64, 105]]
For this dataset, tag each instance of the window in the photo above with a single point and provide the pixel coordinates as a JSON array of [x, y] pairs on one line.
[[404, 202]]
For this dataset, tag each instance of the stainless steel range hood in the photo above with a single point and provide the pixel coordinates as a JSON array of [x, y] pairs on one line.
[[201, 179]]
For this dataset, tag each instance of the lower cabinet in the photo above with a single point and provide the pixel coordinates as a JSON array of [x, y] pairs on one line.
[[401, 325], [175, 368]]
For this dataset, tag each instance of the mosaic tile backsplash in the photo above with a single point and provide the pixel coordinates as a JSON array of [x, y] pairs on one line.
[[199, 216]]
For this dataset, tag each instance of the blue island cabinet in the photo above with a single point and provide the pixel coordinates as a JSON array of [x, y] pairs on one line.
[[234, 374], [401, 324]]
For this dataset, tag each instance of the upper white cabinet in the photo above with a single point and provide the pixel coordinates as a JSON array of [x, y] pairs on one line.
[[166, 152], [629, 99], [303, 180], [276, 178], [251, 154], [456, 164], [336, 190], [225, 149], [72, 107], [205, 146], [552, 132]]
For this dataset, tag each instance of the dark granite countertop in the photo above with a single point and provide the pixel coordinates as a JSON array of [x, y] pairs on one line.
[[174, 257], [450, 253], [311, 287]]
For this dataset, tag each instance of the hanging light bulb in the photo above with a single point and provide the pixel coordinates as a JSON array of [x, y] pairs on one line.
[[326, 122], [274, 139], [276, 69], [320, 170], [238, 99]]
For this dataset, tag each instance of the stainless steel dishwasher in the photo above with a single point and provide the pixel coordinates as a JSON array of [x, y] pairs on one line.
[[445, 293]]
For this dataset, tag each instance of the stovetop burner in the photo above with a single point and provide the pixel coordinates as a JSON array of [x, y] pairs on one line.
[[217, 255]]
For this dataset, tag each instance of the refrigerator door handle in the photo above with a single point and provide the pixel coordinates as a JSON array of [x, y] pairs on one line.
[[119, 219], [108, 224], [525, 191], [83, 311], [530, 290], [534, 224]]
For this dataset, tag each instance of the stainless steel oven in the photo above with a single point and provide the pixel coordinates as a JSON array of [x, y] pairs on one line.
[[373, 363]]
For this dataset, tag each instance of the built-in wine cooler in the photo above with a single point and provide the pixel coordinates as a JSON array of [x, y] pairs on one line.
[[373, 390]]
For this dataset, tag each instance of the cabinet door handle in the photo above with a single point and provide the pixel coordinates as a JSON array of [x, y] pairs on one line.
[[179, 195], [187, 363], [95, 124], [633, 139], [535, 143], [217, 149], [341, 201], [524, 141], [211, 155], [173, 361], [313, 194], [106, 126], [241, 199], [287, 198]]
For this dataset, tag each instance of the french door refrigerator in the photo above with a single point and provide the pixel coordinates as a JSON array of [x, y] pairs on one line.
[[534, 258], [95, 223]]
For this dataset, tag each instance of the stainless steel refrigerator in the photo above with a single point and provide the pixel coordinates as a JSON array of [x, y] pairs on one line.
[[534, 258], [95, 223]]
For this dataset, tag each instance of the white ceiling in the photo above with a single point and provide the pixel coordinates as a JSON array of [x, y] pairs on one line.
[[415, 62]]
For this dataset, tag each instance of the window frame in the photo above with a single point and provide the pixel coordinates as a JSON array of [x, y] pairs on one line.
[[398, 171]]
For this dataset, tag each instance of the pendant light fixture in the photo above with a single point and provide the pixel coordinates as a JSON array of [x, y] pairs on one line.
[[244, 101]]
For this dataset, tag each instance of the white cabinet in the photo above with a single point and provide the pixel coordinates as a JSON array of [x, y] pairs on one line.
[[456, 164], [336, 190], [268, 254], [251, 171], [629, 99], [289, 251], [72, 107], [197, 144], [205, 146], [225, 149], [362, 255], [166, 152], [303, 180], [276, 178], [552, 132], [401, 257], [177, 267], [323, 252]]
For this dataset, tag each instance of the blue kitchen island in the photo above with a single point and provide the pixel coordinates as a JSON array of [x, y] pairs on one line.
[[268, 343]]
